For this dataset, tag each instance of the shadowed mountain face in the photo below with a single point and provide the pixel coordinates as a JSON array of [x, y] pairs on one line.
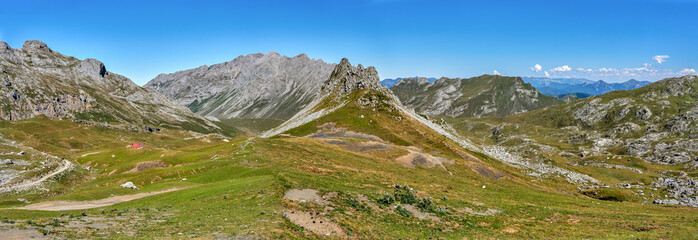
[[251, 86], [39, 81], [484, 96]]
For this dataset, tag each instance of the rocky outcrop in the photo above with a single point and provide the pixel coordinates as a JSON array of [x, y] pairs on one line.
[[39, 81], [484, 96], [346, 78], [569, 98], [252, 86], [681, 191]]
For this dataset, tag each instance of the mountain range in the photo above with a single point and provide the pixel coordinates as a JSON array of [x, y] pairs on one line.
[[565, 86], [390, 82]]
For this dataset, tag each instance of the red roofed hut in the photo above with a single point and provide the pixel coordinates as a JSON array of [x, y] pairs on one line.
[[136, 146]]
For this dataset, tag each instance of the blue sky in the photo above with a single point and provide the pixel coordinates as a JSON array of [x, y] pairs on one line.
[[612, 40]]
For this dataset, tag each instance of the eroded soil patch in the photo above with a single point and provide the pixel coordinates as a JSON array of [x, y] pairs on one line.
[[18, 234], [147, 165], [487, 212], [330, 130], [416, 158], [315, 222], [419, 214], [306, 195]]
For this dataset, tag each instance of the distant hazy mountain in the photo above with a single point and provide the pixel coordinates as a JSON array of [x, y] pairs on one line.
[[483, 96], [390, 82], [565, 86], [252, 86]]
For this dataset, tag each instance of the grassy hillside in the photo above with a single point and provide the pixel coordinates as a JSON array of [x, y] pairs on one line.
[[236, 187]]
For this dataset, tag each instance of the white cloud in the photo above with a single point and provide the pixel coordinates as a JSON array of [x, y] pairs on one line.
[[687, 71], [547, 74], [607, 70], [496, 72], [584, 70], [660, 58], [563, 68], [537, 68]]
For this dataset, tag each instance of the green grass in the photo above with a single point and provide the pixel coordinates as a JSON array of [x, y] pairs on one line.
[[237, 191]]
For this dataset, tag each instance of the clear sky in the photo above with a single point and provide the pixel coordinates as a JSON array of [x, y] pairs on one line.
[[612, 40]]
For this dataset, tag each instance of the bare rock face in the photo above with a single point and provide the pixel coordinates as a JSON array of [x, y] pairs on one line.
[[35, 46], [346, 78], [36, 80], [252, 86], [93, 68]]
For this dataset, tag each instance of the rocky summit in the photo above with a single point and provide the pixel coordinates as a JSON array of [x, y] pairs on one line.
[[346, 78], [251, 86], [483, 96], [39, 81]]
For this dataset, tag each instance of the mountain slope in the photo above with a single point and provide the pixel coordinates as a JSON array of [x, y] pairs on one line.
[[37, 80], [483, 96], [657, 122], [251, 86]]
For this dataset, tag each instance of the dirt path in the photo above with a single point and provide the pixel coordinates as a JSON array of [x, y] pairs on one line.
[[64, 165], [79, 205], [92, 153]]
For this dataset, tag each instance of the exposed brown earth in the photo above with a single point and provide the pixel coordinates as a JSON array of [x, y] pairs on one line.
[[147, 165]]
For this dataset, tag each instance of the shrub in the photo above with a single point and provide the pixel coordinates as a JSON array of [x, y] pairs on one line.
[[402, 211], [356, 204], [425, 204], [405, 194], [386, 199]]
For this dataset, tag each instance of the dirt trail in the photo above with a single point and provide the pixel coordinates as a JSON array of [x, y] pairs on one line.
[[64, 165], [92, 153], [79, 205]]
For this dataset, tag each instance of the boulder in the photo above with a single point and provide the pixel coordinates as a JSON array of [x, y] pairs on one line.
[[129, 185]]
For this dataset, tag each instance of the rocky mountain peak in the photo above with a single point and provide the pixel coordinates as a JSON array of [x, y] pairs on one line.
[[4, 46], [302, 56], [346, 78], [35, 45]]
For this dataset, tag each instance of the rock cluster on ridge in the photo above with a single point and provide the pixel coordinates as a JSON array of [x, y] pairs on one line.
[[346, 78]]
